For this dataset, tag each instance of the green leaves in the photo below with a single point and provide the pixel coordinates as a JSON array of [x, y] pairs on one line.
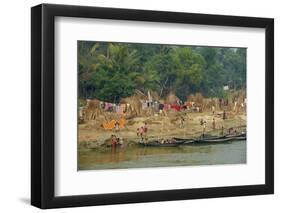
[[111, 71], [195, 74], [114, 88]]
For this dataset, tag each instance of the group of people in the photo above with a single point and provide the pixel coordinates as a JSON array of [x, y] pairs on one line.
[[142, 131], [167, 141], [204, 123], [232, 131]]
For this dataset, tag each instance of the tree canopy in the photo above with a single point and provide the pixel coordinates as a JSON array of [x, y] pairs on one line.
[[111, 71]]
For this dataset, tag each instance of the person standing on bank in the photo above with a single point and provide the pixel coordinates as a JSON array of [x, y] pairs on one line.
[[224, 115], [204, 128], [214, 124]]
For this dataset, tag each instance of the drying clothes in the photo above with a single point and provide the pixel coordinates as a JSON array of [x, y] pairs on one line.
[[122, 123], [112, 124], [109, 125], [156, 106], [118, 109], [176, 107], [165, 107]]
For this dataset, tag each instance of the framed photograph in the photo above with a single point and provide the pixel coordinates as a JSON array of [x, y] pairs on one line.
[[136, 106]]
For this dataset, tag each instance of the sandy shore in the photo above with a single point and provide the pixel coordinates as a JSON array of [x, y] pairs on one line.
[[92, 134]]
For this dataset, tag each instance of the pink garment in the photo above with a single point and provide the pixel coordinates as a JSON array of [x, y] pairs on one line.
[[165, 108], [106, 106]]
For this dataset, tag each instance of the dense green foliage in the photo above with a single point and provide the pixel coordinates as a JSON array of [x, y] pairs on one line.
[[111, 71]]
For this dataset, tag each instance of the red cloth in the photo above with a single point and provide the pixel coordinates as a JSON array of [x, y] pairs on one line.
[[176, 107]]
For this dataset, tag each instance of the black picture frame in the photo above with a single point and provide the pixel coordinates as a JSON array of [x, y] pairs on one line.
[[43, 105]]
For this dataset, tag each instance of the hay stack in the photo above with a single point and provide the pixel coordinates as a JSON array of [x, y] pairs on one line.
[[155, 96], [208, 103], [92, 109], [198, 99], [172, 99], [134, 105]]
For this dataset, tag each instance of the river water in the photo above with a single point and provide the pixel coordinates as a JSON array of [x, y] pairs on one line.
[[143, 157]]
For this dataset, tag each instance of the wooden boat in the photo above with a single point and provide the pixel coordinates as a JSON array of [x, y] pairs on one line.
[[240, 138], [151, 144], [207, 137], [189, 141], [202, 140], [219, 140], [215, 139], [239, 135], [156, 143], [182, 139]]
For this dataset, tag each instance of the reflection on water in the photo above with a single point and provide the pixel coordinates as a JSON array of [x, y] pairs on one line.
[[139, 157]]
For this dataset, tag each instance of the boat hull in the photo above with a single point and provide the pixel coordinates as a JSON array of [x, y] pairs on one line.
[[198, 141]]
